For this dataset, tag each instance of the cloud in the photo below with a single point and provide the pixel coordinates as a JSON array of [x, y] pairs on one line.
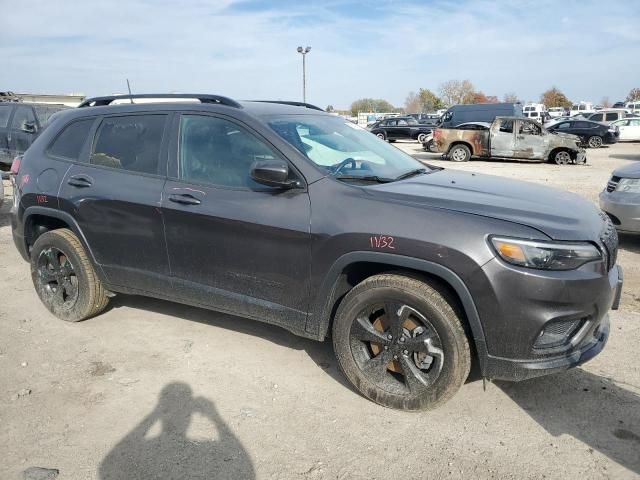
[[246, 49]]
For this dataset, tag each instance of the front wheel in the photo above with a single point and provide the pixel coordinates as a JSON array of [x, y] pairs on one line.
[[64, 278], [595, 141], [460, 153], [381, 136], [562, 157], [401, 343]]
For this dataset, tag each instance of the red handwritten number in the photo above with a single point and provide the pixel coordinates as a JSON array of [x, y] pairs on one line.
[[382, 241], [41, 199]]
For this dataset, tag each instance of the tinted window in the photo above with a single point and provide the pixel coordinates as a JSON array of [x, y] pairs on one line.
[[23, 115], [69, 143], [583, 125], [219, 152], [597, 117], [564, 126], [5, 113], [402, 123], [611, 116], [131, 143], [44, 112]]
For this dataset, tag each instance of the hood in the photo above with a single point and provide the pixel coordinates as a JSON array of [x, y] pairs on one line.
[[558, 214], [628, 171]]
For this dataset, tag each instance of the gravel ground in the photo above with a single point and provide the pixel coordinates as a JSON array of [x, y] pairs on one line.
[[152, 389]]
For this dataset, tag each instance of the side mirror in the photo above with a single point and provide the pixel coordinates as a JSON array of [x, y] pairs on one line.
[[273, 173], [28, 127]]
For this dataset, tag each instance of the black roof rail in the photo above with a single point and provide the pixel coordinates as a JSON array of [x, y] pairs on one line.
[[294, 104], [204, 98]]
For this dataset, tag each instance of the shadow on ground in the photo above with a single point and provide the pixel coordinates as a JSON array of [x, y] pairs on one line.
[[629, 242], [170, 453], [320, 352], [590, 408]]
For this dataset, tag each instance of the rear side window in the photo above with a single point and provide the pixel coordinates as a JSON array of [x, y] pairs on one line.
[[5, 113], [597, 117], [129, 143], [24, 115], [70, 142], [611, 116]]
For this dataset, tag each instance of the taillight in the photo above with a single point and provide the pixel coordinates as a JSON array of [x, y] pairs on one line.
[[15, 166]]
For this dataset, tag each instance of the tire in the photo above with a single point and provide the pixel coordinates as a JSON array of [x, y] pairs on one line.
[[459, 153], [422, 137], [381, 135], [57, 258], [562, 157], [595, 141], [424, 321]]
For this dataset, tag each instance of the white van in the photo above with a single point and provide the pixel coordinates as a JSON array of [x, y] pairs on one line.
[[535, 111], [582, 108], [556, 112], [633, 107]]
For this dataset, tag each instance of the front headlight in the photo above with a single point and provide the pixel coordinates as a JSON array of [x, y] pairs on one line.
[[631, 185], [545, 255]]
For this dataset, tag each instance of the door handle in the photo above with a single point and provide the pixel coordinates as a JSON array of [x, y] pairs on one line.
[[520, 137], [184, 199], [81, 181]]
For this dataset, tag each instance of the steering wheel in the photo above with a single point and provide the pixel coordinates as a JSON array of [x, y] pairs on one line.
[[350, 161]]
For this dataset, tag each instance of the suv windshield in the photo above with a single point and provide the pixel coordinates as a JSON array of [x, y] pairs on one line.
[[343, 149]]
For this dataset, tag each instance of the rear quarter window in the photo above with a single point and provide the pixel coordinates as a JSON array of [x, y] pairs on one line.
[[5, 113], [68, 144]]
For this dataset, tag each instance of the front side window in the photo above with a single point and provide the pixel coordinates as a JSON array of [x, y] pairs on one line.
[[611, 116], [5, 113], [564, 126], [634, 123], [341, 148], [506, 126], [219, 152], [597, 117], [528, 128], [129, 143], [68, 144], [23, 116]]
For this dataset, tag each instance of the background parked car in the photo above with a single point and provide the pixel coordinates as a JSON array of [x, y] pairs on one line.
[[633, 107], [621, 198], [481, 112], [400, 128], [618, 105], [629, 129], [555, 112], [607, 116], [582, 108], [592, 134], [19, 126]]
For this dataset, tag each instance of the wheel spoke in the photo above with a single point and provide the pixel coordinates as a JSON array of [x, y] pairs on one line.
[[66, 268], [376, 368], [396, 314], [413, 377], [52, 256], [362, 329], [69, 288], [46, 276], [59, 294]]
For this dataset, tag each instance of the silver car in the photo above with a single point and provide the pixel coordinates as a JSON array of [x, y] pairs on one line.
[[621, 199]]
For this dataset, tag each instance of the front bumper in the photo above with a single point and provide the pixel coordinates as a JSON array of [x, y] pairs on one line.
[[525, 312], [623, 208]]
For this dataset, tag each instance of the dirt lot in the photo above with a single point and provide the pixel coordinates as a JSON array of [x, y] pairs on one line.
[[152, 389]]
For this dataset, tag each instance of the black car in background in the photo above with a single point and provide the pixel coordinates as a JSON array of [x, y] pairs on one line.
[[426, 118], [592, 134], [19, 126], [400, 128]]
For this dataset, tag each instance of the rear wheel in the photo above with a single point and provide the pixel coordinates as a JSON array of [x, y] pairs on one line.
[[422, 137], [400, 343], [64, 278], [595, 141], [381, 136], [460, 153]]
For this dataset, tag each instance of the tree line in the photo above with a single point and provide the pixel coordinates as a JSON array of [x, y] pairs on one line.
[[454, 92]]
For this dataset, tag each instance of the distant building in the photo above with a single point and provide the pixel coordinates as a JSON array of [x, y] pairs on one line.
[[71, 100]]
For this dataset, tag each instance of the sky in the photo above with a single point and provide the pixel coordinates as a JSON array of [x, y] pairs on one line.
[[246, 49]]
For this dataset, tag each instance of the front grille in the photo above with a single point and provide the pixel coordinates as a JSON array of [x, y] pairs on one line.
[[612, 184], [609, 239]]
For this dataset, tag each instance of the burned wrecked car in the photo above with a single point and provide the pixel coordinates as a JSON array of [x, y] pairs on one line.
[[509, 138]]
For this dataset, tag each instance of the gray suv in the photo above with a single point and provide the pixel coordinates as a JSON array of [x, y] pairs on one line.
[[288, 215]]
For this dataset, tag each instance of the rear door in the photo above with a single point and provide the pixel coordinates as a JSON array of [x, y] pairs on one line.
[[629, 129], [502, 138], [234, 244], [115, 196]]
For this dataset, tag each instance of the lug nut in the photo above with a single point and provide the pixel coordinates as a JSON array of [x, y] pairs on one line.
[[395, 357], [402, 339], [390, 337], [406, 352], [386, 348]]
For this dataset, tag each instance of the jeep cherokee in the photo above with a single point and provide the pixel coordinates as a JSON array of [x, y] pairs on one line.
[[285, 214]]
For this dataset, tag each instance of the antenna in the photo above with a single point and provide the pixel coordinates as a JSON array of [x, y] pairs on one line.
[[129, 88]]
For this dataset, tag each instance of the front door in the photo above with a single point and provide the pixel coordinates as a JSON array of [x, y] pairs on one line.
[[531, 143], [234, 244], [502, 138], [115, 196]]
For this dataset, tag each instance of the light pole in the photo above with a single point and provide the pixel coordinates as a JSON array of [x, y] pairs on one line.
[[303, 52]]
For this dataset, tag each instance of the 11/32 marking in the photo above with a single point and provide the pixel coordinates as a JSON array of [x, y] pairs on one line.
[[382, 242]]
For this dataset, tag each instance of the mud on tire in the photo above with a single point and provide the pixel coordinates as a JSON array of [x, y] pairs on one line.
[[64, 278], [417, 365]]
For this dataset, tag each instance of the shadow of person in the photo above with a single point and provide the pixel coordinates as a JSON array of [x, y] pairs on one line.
[[588, 407], [170, 453]]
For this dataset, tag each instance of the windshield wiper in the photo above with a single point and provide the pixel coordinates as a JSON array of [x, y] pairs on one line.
[[366, 178], [411, 173]]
